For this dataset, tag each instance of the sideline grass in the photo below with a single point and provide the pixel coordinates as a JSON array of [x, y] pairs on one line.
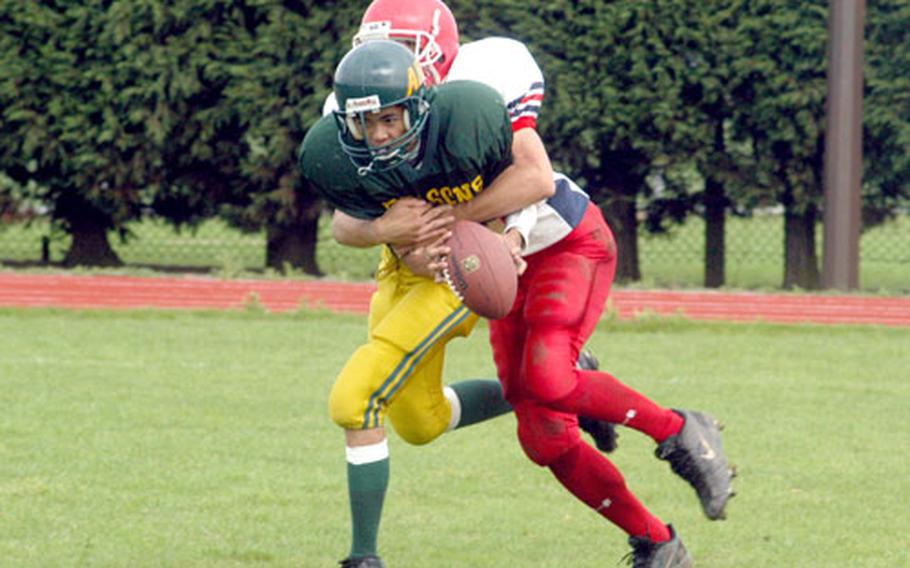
[[202, 439]]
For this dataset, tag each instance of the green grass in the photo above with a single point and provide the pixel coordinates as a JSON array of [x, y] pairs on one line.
[[203, 439]]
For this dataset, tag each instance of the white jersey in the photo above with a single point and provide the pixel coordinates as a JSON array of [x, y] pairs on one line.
[[507, 66]]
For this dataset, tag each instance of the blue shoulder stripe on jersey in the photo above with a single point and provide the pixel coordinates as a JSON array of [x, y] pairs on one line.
[[535, 90], [531, 107], [569, 201]]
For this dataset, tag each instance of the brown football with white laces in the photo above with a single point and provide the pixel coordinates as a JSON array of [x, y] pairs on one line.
[[480, 270]]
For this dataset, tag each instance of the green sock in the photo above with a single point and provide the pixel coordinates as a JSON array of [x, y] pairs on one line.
[[367, 484], [481, 399]]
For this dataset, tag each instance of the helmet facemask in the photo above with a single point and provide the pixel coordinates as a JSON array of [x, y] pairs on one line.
[[426, 27], [352, 128], [423, 44]]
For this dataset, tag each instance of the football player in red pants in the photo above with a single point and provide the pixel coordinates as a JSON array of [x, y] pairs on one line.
[[561, 297]]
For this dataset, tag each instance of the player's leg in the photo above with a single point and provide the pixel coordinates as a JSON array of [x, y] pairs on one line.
[[507, 337], [569, 288], [681, 435], [398, 374], [366, 446], [602, 432], [689, 440], [360, 397], [424, 408], [427, 318], [551, 439], [367, 454]]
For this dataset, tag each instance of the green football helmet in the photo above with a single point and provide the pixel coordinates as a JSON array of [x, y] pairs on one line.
[[371, 77]]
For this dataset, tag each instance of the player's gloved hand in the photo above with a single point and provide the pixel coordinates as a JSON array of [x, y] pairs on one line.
[[515, 242], [412, 222]]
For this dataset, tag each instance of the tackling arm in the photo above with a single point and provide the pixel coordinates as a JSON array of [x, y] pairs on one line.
[[407, 223], [528, 180], [353, 232]]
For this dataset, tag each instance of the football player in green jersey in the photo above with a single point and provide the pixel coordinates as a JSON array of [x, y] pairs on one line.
[[400, 141]]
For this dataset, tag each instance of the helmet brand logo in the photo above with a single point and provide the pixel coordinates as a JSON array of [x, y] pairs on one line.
[[373, 30], [362, 104], [415, 78]]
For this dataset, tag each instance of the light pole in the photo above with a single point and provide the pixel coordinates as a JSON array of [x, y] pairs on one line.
[[843, 144]]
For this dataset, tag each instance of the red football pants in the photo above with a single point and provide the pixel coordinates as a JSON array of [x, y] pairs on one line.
[[560, 300]]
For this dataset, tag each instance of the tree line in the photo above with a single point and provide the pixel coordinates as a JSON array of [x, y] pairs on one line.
[[112, 111]]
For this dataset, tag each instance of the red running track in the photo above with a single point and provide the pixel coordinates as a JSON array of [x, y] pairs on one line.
[[193, 292]]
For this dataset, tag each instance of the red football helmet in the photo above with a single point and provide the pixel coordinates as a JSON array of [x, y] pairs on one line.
[[427, 26]]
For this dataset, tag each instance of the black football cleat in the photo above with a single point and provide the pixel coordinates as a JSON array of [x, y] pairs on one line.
[[603, 432], [649, 554], [697, 455], [362, 562]]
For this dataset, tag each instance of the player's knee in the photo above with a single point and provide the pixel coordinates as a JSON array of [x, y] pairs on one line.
[[545, 450], [421, 420], [546, 440], [345, 410], [421, 434], [353, 402], [549, 381]]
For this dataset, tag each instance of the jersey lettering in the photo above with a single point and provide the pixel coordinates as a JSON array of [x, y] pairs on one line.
[[454, 195]]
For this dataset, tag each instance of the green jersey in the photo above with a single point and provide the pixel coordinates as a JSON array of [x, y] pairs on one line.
[[466, 143]]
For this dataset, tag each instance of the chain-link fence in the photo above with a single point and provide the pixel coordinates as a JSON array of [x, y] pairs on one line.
[[754, 252]]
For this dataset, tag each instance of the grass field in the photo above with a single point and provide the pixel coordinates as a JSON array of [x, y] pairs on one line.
[[203, 439]]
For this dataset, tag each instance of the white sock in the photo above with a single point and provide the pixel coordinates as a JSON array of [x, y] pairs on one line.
[[455, 403], [359, 455]]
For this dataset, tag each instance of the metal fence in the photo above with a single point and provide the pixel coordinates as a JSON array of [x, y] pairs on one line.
[[754, 252]]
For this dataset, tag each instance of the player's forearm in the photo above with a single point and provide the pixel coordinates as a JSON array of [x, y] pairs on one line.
[[528, 180], [513, 190], [353, 232]]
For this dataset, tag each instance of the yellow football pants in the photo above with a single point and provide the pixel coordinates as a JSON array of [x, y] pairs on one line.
[[398, 372]]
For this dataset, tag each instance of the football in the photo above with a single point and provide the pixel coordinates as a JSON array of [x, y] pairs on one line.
[[480, 270]]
